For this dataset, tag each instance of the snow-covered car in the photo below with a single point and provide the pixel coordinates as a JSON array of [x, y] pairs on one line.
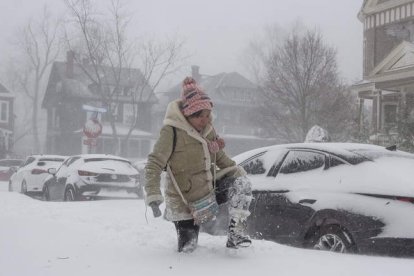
[[29, 177], [341, 197], [90, 176], [8, 167]]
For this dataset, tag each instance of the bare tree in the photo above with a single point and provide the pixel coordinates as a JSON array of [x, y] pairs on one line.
[[104, 42], [37, 48], [301, 86]]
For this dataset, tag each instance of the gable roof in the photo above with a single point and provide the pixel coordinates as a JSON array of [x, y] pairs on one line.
[[401, 57], [222, 88], [81, 83], [3, 89]]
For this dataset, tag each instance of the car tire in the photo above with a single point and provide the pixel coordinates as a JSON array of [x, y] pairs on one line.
[[10, 186], [332, 238], [70, 194], [46, 194], [23, 187]]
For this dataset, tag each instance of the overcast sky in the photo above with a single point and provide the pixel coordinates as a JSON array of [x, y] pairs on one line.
[[218, 31]]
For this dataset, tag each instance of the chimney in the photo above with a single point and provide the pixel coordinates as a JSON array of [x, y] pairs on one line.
[[195, 73], [70, 59]]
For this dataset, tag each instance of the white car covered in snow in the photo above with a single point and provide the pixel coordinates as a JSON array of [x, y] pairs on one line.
[[91, 176], [30, 176]]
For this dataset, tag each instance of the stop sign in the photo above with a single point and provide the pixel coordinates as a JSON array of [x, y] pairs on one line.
[[92, 128]]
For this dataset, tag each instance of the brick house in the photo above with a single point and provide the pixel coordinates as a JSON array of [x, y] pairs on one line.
[[235, 99], [69, 89], [388, 68], [6, 122]]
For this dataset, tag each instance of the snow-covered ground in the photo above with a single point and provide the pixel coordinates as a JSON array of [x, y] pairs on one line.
[[118, 237]]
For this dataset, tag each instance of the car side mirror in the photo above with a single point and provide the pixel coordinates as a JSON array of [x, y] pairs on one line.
[[13, 169], [52, 171]]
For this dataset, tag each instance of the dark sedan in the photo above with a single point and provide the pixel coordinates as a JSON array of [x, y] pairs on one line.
[[340, 197]]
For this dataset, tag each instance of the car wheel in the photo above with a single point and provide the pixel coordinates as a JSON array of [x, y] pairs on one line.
[[46, 194], [333, 238], [23, 188], [10, 187], [70, 194]]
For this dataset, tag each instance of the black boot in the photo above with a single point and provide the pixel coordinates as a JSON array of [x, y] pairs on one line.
[[187, 234], [236, 237]]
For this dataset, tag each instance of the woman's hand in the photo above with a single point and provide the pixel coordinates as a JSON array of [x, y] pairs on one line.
[[221, 143]]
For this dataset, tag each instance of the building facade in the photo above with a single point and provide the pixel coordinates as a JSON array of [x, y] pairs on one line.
[[70, 88], [388, 70], [6, 122]]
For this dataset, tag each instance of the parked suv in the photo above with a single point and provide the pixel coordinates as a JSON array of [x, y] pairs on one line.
[[91, 176]]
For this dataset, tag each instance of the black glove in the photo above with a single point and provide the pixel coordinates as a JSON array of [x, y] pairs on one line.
[[155, 206]]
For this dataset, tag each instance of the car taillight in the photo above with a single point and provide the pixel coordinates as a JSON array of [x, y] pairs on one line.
[[406, 199], [38, 171], [86, 173]]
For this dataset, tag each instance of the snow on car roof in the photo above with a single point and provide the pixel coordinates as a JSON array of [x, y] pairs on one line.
[[103, 156], [348, 151], [48, 156]]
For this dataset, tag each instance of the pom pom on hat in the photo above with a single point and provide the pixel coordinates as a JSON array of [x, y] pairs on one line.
[[194, 98]]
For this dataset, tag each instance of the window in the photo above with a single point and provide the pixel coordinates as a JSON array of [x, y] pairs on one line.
[[333, 162], [4, 111], [70, 161], [109, 146], [255, 164], [390, 113], [29, 160], [301, 161]]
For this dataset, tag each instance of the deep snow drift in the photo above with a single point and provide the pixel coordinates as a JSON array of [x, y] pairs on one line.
[[112, 237]]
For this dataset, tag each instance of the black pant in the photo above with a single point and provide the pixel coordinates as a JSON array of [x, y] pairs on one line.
[[187, 233]]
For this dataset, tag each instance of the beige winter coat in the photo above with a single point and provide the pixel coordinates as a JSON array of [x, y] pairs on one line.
[[191, 164]]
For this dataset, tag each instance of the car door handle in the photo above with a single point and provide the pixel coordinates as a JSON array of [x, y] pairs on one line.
[[307, 201]]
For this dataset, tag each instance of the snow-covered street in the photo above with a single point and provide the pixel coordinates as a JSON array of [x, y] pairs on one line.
[[113, 237]]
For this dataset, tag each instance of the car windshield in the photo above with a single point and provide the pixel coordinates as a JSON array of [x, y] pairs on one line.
[[373, 154], [8, 163], [106, 159]]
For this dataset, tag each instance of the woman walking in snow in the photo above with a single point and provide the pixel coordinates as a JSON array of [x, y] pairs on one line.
[[191, 151]]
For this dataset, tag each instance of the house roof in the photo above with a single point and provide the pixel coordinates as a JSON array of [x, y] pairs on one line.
[[3, 89], [83, 80], [225, 88], [396, 69], [398, 64]]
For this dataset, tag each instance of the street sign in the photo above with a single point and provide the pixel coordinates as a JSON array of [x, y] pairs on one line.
[[92, 128]]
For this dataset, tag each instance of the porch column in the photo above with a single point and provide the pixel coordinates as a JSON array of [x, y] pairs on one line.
[[360, 114], [379, 111]]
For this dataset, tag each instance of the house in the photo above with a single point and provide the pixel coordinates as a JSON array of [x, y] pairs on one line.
[[388, 69], [6, 121], [235, 98], [70, 88]]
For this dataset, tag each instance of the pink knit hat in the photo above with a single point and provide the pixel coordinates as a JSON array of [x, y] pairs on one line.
[[193, 98]]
